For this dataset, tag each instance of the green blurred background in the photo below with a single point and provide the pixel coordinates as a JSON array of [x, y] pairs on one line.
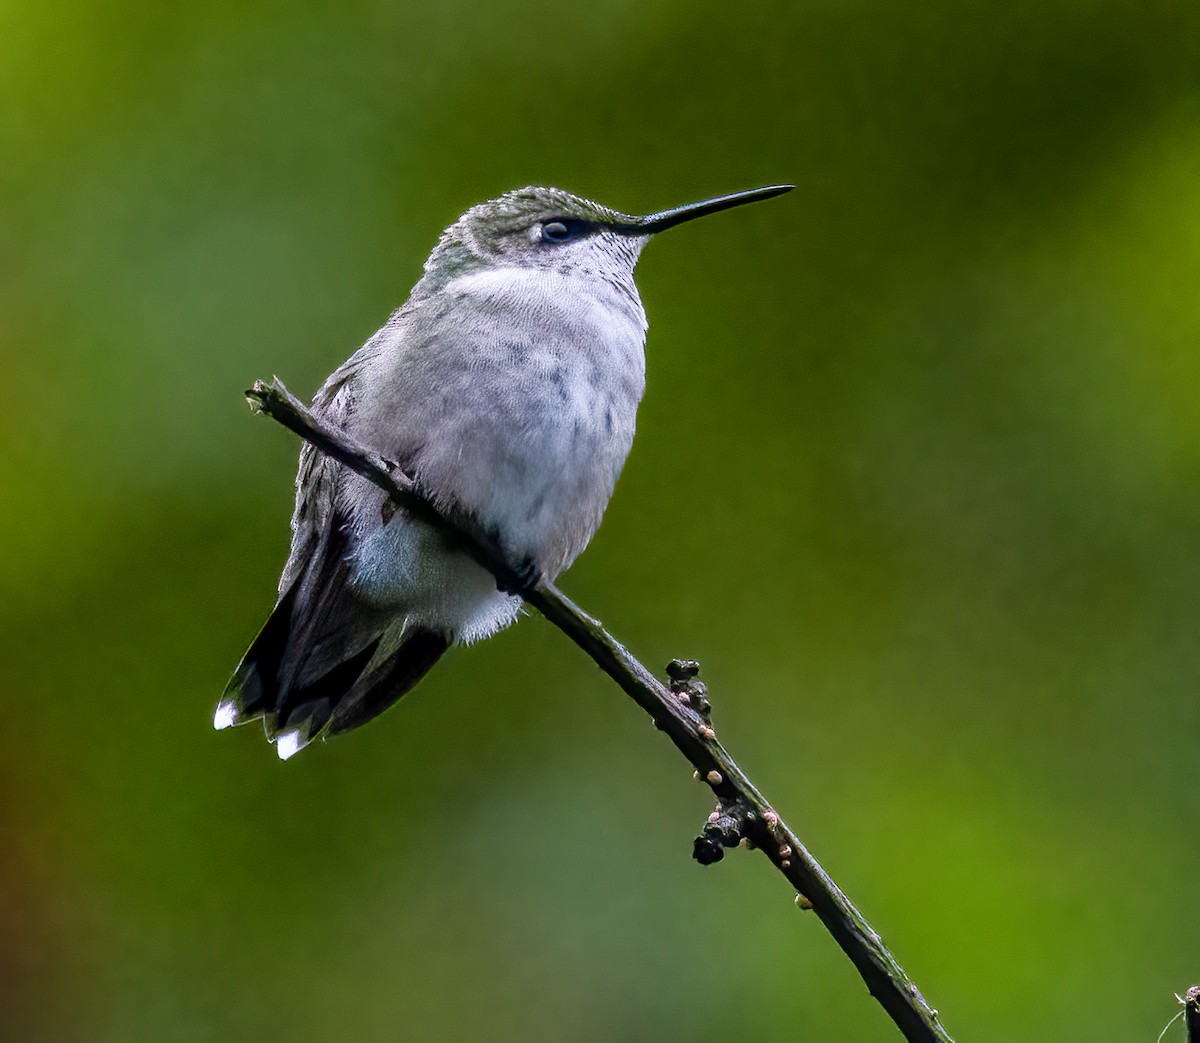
[[916, 480]]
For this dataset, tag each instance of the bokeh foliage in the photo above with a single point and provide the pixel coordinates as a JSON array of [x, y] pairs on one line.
[[916, 479]]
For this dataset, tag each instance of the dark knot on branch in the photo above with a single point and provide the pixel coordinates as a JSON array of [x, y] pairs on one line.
[[685, 684], [726, 827]]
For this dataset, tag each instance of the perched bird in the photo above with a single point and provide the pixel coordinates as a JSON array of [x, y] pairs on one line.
[[507, 388]]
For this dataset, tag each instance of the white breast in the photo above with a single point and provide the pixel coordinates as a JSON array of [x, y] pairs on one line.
[[532, 387]]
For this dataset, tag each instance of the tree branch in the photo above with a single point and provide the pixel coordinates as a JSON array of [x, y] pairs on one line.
[[681, 711], [1191, 1018]]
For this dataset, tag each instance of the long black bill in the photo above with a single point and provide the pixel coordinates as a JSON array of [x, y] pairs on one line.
[[652, 223]]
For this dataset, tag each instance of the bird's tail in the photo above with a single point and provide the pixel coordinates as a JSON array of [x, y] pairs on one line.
[[317, 667]]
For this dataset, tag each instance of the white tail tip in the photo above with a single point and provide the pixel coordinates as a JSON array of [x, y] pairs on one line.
[[226, 715], [290, 743]]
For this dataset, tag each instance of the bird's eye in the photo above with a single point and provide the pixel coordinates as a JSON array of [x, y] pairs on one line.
[[563, 229]]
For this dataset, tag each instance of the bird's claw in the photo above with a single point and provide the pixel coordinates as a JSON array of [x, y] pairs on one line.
[[523, 576]]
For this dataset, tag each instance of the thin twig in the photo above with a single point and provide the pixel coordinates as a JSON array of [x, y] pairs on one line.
[[1191, 1018], [681, 711]]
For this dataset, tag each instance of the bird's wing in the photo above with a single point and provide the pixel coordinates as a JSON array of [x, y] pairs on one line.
[[325, 660]]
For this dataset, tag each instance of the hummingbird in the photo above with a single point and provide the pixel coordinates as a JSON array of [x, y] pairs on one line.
[[506, 387]]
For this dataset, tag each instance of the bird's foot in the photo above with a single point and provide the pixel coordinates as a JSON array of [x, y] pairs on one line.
[[524, 576]]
